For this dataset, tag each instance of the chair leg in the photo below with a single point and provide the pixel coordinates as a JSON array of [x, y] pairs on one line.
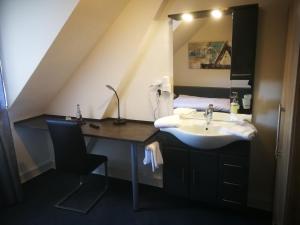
[[81, 183], [106, 174], [103, 192], [76, 189]]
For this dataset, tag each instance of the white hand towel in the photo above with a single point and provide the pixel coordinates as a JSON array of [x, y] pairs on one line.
[[153, 155], [240, 117], [167, 122], [183, 111], [241, 129]]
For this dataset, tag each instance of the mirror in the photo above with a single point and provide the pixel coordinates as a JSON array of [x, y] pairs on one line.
[[196, 46], [210, 57]]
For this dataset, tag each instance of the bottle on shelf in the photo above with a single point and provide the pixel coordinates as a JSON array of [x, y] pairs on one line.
[[234, 105], [78, 114]]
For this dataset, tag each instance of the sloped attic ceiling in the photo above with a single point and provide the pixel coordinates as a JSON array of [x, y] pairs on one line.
[[88, 22]]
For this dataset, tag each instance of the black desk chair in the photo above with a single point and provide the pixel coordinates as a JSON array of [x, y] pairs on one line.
[[71, 156]]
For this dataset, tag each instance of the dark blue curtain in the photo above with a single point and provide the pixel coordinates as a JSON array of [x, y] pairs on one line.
[[10, 186]]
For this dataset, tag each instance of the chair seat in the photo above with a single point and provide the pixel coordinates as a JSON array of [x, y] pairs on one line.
[[93, 161]]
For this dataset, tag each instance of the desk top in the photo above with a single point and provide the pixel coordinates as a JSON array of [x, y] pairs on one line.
[[132, 131]]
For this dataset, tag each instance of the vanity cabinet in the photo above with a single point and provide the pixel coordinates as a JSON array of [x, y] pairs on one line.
[[215, 176], [244, 32]]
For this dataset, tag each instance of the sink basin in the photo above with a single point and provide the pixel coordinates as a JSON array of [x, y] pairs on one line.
[[194, 133]]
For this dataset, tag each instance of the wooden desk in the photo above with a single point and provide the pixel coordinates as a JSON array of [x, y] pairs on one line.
[[134, 132]]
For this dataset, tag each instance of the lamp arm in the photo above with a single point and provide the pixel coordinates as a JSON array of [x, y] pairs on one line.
[[118, 103], [118, 106]]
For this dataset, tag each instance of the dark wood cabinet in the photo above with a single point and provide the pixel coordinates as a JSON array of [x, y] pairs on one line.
[[215, 176], [244, 32], [204, 176], [176, 171]]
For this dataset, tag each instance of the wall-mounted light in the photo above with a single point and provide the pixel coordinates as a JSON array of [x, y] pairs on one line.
[[216, 13], [187, 17]]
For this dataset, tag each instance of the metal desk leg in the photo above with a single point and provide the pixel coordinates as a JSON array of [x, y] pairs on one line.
[[134, 177], [91, 144]]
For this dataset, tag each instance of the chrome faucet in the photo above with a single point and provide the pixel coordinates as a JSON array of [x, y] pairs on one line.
[[208, 114]]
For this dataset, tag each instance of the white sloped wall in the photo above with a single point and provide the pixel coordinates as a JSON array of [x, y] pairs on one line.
[[27, 30]]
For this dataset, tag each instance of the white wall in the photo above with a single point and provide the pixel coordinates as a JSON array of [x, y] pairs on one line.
[[148, 68], [27, 29], [110, 61], [208, 30]]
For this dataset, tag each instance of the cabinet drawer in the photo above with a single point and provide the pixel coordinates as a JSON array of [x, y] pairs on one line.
[[234, 170], [233, 194]]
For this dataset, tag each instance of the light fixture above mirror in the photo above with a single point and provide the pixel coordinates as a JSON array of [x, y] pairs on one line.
[[216, 14], [190, 16], [187, 17]]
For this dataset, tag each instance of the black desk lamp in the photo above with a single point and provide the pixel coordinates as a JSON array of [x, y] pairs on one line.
[[118, 121]]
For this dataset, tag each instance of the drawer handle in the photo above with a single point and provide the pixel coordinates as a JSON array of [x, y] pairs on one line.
[[231, 201], [233, 184], [232, 165]]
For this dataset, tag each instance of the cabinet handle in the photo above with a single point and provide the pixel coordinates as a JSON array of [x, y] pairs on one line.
[[232, 165], [233, 184], [230, 201], [183, 175]]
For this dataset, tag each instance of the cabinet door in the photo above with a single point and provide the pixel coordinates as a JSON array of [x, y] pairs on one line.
[[176, 171], [204, 176], [244, 42]]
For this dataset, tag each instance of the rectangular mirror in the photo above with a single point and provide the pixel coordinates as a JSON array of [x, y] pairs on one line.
[[210, 57]]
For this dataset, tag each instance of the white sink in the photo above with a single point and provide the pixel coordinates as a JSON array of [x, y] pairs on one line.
[[194, 133]]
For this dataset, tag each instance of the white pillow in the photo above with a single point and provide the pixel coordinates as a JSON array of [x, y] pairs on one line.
[[201, 103]]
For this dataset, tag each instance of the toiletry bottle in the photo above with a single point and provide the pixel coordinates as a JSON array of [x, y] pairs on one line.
[[234, 105], [209, 112], [78, 113]]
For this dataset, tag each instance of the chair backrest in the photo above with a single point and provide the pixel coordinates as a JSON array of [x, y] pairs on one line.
[[69, 146]]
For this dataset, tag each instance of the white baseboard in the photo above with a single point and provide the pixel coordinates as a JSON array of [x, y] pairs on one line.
[[37, 170]]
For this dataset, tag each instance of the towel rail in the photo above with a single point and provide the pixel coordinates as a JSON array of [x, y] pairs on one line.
[[280, 110]]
